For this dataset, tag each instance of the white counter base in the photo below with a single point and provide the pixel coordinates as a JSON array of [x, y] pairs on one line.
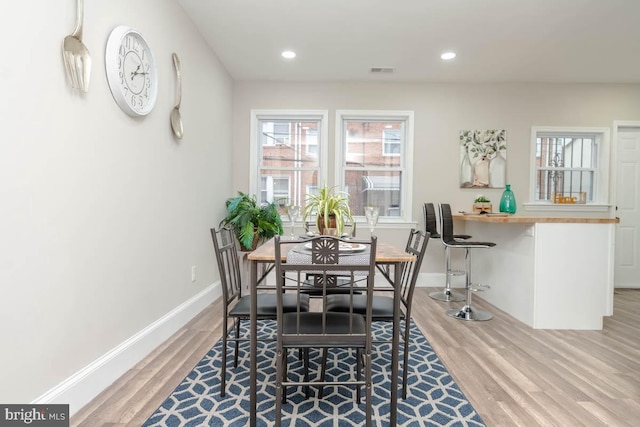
[[548, 275]]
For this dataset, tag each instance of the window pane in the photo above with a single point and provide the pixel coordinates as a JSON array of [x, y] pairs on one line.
[[369, 143], [289, 143], [566, 168], [566, 152], [565, 183], [368, 188], [286, 187]]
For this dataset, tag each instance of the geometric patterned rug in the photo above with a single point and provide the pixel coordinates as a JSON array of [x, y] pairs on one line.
[[433, 398]]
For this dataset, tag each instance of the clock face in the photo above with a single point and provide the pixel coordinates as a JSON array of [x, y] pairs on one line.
[[131, 71]]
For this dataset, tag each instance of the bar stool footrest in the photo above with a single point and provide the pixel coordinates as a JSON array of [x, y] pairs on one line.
[[456, 273]]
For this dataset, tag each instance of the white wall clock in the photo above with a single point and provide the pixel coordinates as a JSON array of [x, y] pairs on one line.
[[131, 71]]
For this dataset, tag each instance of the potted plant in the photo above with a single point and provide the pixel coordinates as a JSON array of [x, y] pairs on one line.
[[331, 207], [250, 221], [482, 204]]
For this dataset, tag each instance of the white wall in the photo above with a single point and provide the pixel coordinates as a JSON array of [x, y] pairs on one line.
[[441, 111], [101, 215]]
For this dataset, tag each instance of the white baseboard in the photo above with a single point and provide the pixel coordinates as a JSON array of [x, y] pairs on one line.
[[84, 385]]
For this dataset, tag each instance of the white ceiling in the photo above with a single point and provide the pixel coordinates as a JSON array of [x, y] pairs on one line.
[[589, 41]]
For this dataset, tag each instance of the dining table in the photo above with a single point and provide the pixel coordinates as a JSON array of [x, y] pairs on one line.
[[262, 261]]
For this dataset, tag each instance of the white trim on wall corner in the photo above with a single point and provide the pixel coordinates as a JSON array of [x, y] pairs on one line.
[[80, 388]]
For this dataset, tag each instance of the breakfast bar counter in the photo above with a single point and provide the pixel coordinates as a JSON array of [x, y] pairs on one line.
[[548, 272]]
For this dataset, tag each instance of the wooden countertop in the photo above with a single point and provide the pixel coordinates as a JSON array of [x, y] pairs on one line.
[[521, 219]]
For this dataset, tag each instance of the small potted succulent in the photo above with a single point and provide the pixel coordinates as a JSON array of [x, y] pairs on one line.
[[252, 222], [482, 204]]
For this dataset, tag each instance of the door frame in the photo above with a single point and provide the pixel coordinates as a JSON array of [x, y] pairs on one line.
[[617, 125]]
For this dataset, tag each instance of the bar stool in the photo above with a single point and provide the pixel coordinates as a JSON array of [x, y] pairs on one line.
[[445, 294], [467, 312]]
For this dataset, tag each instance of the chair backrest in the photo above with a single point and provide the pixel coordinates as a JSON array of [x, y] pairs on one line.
[[416, 246], [325, 260], [430, 220], [446, 223], [224, 243]]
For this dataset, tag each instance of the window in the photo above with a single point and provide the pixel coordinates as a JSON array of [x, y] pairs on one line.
[[375, 147], [570, 166], [287, 154]]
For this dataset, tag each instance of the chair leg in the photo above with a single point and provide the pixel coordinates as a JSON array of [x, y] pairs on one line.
[[280, 372], [285, 367], [368, 387], [223, 371], [405, 366], [467, 312], [307, 389], [358, 373], [447, 294], [323, 370], [237, 335]]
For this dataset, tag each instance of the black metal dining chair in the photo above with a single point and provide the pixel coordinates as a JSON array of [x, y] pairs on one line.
[[323, 329], [236, 307], [382, 306]]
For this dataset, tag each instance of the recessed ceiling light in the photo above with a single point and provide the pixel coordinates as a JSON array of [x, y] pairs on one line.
[[289, 54], [448, 55]]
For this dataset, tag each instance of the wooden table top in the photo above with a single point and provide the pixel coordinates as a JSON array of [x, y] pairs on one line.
[[385, 252]]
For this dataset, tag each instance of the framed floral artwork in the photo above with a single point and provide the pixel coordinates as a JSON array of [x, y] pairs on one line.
[[483, 158]]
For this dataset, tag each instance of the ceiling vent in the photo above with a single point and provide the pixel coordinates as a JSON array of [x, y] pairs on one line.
[[381, 70]]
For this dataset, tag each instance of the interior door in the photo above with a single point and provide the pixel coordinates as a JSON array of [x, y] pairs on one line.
[[627, 252]]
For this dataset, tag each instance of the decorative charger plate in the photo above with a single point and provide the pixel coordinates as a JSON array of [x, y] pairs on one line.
[[344, 247]]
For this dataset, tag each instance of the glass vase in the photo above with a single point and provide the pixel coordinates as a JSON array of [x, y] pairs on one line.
[[508, 201]]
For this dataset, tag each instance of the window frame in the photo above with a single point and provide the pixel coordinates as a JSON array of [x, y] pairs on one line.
[[406, 164], [602, 137]]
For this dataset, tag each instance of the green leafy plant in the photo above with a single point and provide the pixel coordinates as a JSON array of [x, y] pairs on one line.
[[251, 220], [327, 203], [481, 199]]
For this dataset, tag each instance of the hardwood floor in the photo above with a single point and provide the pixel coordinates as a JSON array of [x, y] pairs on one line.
[[512, 374]]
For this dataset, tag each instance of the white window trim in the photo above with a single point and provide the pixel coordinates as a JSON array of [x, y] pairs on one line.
[[257, 115], [602, 202], [407, 158]]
